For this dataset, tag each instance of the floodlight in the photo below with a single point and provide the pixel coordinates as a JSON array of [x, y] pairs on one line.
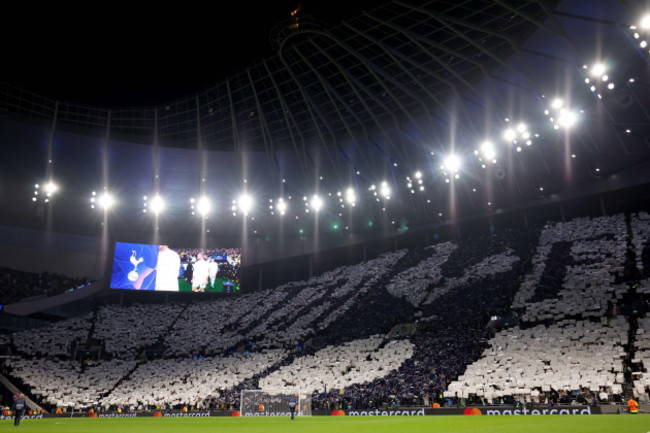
[[316, 203], [204, 206], [598, 70], [385, 190], [106, 200], [487, 149], [245, 203], [509, 134], [350, 196], [157, 205], [281, 206], [51, 188], [452, 163], [557, 103], [567, 118], [418, 175], [645, 22]]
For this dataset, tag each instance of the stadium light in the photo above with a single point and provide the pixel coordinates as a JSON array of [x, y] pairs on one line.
[[509, 134], [598, 70], [567, 118], [418, 174], [487, 149], [44, 192], [281, 206], [157, 205], [50, 188], [245, 203], [452, 163], [316, 203], [385, 190], [645, 22], [351, 196], [204, 206], [104, 201], [557, 104]]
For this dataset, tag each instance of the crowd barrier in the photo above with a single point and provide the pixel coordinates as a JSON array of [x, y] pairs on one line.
[[399, 411]]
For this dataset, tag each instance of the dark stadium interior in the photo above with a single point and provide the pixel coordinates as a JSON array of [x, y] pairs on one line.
[[404, 204]]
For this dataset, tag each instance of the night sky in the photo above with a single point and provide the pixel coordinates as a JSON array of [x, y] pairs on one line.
[[122, 56]]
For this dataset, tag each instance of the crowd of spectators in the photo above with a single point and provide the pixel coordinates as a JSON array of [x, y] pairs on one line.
[[334, 334], [126, 330], [579, 282], [16, 285], [229, 260], [188, 255], [568, 357]]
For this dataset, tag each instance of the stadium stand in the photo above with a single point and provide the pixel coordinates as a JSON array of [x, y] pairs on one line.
[[594, 251], [335, 334], [337, 367], [54, 340], [124, 330], [527, 362], [640, 224], [173, 382], [16, 285], [66, 384], [641, 388]]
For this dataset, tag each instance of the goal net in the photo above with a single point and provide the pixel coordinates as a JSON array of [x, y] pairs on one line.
[[273, 402]]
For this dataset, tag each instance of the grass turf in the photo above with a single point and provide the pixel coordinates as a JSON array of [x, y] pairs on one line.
[[184, 286], [438, 424]]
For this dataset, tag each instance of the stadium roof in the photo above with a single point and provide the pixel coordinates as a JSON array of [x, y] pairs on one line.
[[535, 98], [320, 84]]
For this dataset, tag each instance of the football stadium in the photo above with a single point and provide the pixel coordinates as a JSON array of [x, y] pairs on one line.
[[393, 216]]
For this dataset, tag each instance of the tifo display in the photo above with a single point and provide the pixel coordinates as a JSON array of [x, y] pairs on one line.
[[163, 268]]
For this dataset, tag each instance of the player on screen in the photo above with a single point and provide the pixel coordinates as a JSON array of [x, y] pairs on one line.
[[201, 272], [293, 402], [213, 270], [168, 269]]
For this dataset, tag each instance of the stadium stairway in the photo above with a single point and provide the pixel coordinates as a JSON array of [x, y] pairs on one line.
[[161, 338], [14, 389], [91, 331], [89, 344], [630, 270]]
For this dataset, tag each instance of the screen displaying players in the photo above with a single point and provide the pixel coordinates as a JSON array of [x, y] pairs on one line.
[[164, 268]]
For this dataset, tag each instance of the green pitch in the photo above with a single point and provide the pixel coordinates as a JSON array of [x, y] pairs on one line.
[[432, 424], [184, 286]]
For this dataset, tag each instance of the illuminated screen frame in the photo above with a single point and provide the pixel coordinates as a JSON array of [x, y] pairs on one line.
[[160, 268]]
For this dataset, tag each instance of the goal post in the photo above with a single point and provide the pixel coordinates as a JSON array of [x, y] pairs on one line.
[[273, 402]]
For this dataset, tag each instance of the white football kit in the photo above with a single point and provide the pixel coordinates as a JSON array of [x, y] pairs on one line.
[[167, 270], [200, 275], [213, 270]]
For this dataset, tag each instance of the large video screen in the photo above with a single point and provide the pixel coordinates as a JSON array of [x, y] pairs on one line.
[[164, 268]]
